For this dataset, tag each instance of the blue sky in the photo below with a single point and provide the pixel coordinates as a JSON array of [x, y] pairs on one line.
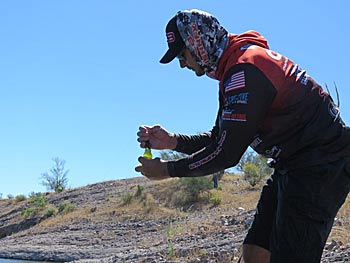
[[77, 78]]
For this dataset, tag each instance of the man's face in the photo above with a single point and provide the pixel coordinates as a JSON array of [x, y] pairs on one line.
[[186, 60]]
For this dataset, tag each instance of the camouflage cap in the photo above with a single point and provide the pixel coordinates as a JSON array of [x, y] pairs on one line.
[[201, 33], [175, 42]]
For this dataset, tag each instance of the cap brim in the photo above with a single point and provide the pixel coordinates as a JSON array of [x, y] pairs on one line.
[[168, 57]]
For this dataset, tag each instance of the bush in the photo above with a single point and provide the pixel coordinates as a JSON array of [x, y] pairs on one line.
[[66, 207], [51, 212], [28, 212], [20, 198], [171, 253], [215, 199], [38, 200], [252, 174], [189, 190], [126, 198], [193, 186], [254, 167], [37, 203], [139, 191]]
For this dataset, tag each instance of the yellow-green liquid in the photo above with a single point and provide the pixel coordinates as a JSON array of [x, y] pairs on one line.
[[147, 154]]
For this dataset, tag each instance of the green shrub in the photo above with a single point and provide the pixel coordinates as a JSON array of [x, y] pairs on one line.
[[252, 174], [51, 211], [37, 203], [189, 190], [126, 198], [20, 198], [66, 207], [38, 200], [139, 191], [29, 211], [173, 230], [254, 167], [215, 199], [171, 253]]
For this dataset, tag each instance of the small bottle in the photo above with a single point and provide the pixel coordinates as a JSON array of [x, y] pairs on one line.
[[148, 153]]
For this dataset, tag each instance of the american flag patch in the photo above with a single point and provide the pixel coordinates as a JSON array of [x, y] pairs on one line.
[[237, 81]]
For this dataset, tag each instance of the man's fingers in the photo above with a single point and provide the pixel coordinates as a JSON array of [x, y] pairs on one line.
[[143, 136], [138, 169], [142, 159], [142, 143], [142, 128], [155, 129], [145, 128]]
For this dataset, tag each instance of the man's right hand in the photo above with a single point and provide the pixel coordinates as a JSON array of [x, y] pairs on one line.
[[158, 137]]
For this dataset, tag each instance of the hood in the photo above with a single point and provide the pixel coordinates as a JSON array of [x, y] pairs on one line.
[[238, 42], [250, 37], [203, 36]]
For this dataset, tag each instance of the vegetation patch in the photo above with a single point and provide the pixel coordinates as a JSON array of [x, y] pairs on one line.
[[65, 207]]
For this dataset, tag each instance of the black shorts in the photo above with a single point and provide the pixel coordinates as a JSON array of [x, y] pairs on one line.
[[296, 211]]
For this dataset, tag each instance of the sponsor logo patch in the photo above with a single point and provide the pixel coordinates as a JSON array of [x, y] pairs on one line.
[[237, 81], [241, 98], [230, 115]]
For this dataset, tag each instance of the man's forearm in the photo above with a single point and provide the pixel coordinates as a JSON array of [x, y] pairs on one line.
[[189, 144]]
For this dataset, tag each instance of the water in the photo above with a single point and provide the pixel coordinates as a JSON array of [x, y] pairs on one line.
[[19, 261]]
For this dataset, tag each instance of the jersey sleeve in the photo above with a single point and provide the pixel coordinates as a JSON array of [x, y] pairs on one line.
[[189, 144], [246, 97]]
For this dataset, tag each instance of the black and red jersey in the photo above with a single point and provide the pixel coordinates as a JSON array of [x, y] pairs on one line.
[[269, 103]]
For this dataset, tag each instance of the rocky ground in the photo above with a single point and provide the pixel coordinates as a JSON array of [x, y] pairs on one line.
[[100, 231]]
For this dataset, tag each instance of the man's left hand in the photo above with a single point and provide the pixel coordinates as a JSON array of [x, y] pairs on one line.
[[155, 169]]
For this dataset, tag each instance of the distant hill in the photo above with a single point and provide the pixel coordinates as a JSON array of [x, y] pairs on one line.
[[137, 220]]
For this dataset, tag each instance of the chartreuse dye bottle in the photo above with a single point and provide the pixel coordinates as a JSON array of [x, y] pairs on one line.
[[148, 153]]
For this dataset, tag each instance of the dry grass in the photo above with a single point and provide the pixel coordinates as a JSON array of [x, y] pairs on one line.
[[342, 232], [154, 202], [144, 207], [236, 192], [65, 219]]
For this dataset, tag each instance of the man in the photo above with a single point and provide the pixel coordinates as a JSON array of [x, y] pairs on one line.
[[269, 103]]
